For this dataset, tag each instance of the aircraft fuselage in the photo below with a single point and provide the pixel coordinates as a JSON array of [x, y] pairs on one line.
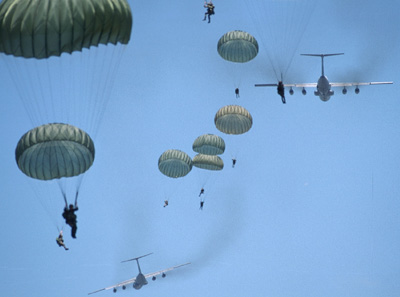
[[140, 281], [323, 89]]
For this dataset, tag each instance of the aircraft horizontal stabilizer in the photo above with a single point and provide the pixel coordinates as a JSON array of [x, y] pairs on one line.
[[133, 259], [322, 55]]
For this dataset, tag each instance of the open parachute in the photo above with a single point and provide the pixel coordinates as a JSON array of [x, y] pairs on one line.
[[174, 163], [40, 29], [208, 162], [233, 119], [209, 144], [54, 151], [237, 46]]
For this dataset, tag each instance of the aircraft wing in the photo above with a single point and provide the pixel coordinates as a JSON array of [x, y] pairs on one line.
[[165, 270], [355, 84], [266, 85], [303, 85], [132, 280], [127, 282]]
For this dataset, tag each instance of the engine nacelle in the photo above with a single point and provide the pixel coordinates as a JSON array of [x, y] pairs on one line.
[[291, 92], [153, 278], [344, 91], [163, 275], [123, 287], [115, 290], [303, 91], [357, 90]]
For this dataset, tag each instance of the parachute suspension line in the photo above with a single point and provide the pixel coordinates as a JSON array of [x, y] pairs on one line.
[[33, 99], [46, 96], [50, 80], [98, 96], [63, 191], [20, 91], [89, 69], [210, 185], [205, 181], [282, 25], [270, 32], [27, 65], [66, 96], [76, 197], [46, 205], [252, 9], [109, 80], [78, 186], [300, 30]]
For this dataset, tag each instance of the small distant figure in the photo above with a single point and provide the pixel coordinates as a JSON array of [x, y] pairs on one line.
[[165, 203], [70, 218], [210, 10], [201, 205], [281, 91], [60, 241], [233, 162], [237, 93], [201, 191]]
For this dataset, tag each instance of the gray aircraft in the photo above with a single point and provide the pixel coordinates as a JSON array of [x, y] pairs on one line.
[[141, 279], [323, 85]]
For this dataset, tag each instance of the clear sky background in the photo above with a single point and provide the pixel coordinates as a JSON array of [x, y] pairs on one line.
[[311, 208]]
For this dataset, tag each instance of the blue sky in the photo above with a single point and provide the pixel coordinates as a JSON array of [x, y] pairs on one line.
[[311, 209]]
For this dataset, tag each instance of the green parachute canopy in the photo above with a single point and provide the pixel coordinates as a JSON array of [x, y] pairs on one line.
[[209, 144], [54, 151], [44, 28], [233, 119], [174, 163], [237, 46], [209, 162]]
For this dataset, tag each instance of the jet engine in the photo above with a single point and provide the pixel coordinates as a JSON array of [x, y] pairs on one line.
[[303, 91], [115, 290], [163, 275], [344, 91], [123, 287], [291, 92], [153, 278], [357, 90]]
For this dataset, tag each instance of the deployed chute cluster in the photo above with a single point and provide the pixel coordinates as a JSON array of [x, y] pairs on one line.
[[208, 146], [236, 47], [176, 163]]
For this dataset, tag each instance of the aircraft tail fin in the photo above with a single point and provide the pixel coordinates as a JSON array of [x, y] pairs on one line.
[[322, 59], [134, 259]]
